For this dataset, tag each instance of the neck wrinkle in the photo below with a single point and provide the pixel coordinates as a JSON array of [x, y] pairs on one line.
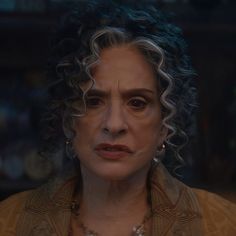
[[113, 197]]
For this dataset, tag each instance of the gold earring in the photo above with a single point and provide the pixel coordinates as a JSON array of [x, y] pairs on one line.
[[157, 158], [163, 146]]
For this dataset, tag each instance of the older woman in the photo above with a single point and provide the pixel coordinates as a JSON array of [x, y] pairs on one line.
[[122, 99]]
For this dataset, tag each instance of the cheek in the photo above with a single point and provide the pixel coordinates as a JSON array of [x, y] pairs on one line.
[[148, 132], [86, 129], [82, 131], [151, 124], [83, 126]]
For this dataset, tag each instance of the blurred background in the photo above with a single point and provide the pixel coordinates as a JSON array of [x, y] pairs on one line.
[[209, 26]]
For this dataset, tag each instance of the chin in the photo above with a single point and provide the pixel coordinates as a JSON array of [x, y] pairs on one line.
[[120, 174], [115, 171], [114, 175]]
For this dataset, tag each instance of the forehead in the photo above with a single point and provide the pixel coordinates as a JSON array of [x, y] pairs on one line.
[[125, 66]]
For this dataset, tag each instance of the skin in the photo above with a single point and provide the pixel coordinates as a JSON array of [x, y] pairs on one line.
[[122, 108]]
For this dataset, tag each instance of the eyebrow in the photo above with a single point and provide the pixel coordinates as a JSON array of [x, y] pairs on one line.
[[129, 92]]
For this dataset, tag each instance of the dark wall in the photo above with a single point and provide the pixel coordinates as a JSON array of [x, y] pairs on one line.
[[210, 30]]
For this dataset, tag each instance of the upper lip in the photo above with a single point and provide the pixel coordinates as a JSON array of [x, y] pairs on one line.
[[118, 147]]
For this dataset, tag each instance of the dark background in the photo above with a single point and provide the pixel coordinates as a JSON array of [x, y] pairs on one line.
[[210, 30]]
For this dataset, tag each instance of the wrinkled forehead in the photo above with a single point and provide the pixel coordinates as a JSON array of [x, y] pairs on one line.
[[124, 67]]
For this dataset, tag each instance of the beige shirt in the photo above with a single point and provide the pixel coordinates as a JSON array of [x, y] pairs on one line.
[[178, 209]]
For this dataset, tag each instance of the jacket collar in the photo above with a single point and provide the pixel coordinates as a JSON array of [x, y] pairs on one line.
[[48, 208], [175, 206]]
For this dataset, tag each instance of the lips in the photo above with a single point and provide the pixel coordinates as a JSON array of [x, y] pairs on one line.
[[112, 152]]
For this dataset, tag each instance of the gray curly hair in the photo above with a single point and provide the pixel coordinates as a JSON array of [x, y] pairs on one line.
[[77, 48]]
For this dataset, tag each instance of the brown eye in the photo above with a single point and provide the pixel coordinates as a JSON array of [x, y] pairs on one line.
[[137, 104], [93, 102]]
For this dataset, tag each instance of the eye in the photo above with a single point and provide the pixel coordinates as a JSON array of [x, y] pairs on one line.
[[93, 102], [137, 103]]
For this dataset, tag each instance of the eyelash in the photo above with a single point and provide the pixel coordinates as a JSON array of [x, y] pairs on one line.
[[140, 103], [134, 103], [90, 100]]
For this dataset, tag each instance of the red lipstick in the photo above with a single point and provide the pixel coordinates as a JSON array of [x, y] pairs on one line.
[[112, 152]]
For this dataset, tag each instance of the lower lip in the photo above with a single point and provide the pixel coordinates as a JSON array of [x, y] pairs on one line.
[[112, 155]]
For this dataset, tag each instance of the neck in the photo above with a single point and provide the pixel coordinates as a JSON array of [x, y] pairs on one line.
[[113, 198]]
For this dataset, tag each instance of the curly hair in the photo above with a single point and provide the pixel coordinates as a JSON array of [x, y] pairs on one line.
[[95, 25]]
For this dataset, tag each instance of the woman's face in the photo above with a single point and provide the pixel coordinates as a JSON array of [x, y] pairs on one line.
[[122, 128]]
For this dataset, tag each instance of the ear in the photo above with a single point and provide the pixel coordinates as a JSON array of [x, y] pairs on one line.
[[163, 134], [67, 126]]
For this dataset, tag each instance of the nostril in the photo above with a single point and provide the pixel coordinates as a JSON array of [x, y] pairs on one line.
[[106, 130], [114, 132]]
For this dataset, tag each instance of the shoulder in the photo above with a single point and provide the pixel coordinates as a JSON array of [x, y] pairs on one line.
[[14, 203], [219, 214], [35, 210], [10, 210]]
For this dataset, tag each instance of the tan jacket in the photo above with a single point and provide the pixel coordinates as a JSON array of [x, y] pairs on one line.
[[179, 210]]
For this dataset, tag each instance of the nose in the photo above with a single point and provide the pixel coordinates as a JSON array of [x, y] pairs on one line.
[[115, 123]]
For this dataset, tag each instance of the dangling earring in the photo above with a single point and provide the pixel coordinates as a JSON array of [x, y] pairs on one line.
[[159, 152], [69, 149]]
